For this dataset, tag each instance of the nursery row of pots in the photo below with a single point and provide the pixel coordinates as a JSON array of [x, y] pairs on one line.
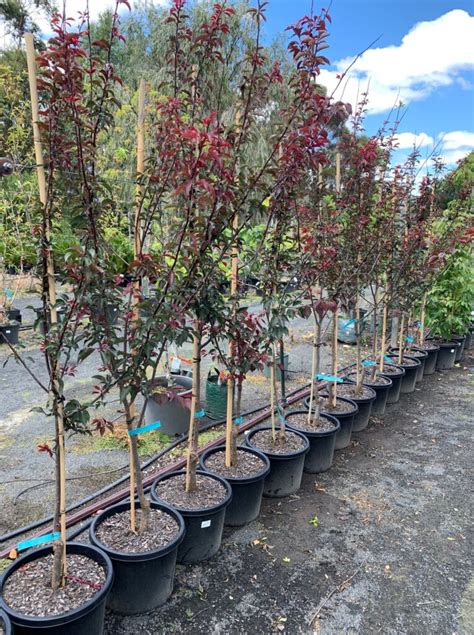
[[9, 331], [135, 581]]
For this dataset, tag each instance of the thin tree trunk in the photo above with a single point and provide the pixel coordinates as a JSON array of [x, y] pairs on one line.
[[49, 302], [359, 372], [400, 340], [317, 369], [193, 435], [384, 333], [421, 332], [333, 386]]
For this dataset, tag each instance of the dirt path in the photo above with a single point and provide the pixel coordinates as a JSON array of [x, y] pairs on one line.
[[391, 552]]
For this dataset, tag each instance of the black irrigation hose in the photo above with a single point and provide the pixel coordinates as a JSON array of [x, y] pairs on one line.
[[37, 523], [110, 486]]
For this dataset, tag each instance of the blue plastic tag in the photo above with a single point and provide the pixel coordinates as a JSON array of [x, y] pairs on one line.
[[39, 540], [409, 338], [151, 426], [350, 322], [329, 378], [369, 363], [9, 294], [388, 359], [239, 420], [200, 414]]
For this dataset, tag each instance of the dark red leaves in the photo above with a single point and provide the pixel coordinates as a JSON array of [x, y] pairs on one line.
[[44, 447]]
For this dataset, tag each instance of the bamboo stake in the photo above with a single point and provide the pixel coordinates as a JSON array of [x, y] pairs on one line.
[[272, 395], [358, 351], [229, 433], [334, 357], [137, 248], [193, 426], [422, 320], [59, 414], [313, 370], [384, 334], [400, 341], [338, 172]]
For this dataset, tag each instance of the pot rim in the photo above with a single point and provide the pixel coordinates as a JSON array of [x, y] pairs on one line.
[[416, 359], [75, 614], [136, 556], [238, 480], [335, 413], [374, 387], [279, 457], [314, 433], [185, 511]]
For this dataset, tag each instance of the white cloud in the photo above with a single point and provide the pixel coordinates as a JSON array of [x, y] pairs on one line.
[[431, 55], [96, 7], [457, 139], [455, 145], [410, 139]]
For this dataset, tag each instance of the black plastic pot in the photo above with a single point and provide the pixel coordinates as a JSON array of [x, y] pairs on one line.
[[286, 470], [14, 314], [417, 353], [431, 359], [5, 623], [467, 342], [203, 526], [346, 419], [142, 581], [411, 373], [87, 619], [446, 355], [321, 444], [461, 340], [365, 405], [247, 491], [9, 333], [381, 395], [61, 315], [396, 374]]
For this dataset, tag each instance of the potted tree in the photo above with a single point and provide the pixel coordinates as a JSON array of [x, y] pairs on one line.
[[70, 593]]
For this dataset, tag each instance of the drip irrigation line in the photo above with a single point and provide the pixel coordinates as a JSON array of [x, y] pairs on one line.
[[110, 486], [261, 413]]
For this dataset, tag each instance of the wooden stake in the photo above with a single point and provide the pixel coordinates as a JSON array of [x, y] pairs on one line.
[[422, 320], [137, 249], [334, 357], [384, 333], [338, 172], [55, 392], [313, 370], [400, 341], [193, 425]]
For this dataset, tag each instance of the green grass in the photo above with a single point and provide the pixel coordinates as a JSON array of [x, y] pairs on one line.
[[149, 443]]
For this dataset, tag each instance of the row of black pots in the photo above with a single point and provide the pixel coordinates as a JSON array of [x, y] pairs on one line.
[[140, 582]]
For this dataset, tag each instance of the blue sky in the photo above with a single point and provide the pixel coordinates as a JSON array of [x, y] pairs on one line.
[[425, 49], [425, 54]]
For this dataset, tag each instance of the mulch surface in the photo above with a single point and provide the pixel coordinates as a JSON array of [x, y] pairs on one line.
[[247, 464], [208, 492], [300, 420], [263, 440], [28, 590], [115, 532]]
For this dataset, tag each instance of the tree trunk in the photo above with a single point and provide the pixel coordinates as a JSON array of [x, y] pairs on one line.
[[315, 370], [333, 385], [193, 435]]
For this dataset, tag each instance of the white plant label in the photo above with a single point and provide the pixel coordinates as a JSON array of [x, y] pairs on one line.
[[8, 332], [205, 523], [452, 350]]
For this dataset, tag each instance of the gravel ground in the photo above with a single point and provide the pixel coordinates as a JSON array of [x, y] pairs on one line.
[[21, 430], [381, 543]]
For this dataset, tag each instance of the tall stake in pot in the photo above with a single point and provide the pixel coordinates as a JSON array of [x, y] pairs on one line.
[[49, 307]]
